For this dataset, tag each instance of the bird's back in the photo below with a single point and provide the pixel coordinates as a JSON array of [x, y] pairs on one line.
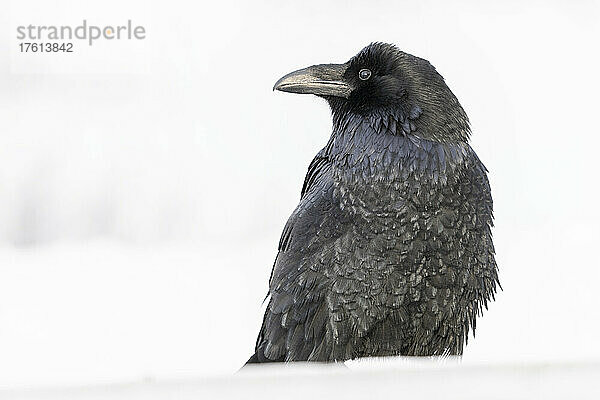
[[389, 251]]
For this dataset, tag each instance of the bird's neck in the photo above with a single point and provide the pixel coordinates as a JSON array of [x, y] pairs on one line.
[[388, 147]]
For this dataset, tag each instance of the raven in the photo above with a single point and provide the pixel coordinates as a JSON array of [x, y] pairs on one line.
[[390, 250]]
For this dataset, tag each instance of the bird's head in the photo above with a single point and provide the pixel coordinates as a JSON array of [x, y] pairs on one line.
[[382, 80]]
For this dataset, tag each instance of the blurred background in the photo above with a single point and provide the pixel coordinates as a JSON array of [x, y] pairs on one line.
[[144, 184]]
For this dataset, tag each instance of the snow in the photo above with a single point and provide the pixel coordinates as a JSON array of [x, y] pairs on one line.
[[96, 312], [402, 378]]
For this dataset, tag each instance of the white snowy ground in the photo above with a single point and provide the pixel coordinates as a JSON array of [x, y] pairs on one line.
[[106, 320], [400, 379]]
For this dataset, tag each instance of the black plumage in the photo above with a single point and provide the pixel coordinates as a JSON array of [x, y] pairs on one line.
[[390, 250]]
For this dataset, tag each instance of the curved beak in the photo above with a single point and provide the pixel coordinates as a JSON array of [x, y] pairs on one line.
[[322, 80]]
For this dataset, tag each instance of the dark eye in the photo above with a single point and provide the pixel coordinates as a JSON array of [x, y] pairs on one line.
[[364, 74]]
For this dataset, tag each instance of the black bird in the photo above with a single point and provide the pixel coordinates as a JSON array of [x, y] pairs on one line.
[[390, 250]]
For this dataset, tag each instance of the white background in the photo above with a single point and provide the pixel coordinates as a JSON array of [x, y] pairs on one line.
[[144, 184]]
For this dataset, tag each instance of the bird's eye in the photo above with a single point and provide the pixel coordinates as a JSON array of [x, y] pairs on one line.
[[364, 74]]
